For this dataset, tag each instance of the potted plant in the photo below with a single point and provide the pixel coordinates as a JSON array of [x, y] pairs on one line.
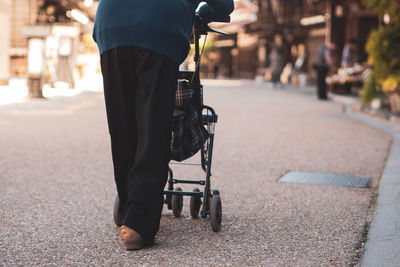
[[383, 48], [391, 86]]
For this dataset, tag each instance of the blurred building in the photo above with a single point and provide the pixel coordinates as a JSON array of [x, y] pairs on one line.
[[296, 26], [5, 6], [51, 27], [337, 21], [22, 12], [239, 48]]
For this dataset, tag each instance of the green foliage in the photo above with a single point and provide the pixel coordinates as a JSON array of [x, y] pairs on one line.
[[370, 91], [383, 48], [391, 84], [390, 7], [209, 45]]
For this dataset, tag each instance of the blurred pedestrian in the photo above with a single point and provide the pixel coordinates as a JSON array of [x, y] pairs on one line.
[[299, 65], [323, 62], [276, 65], [216, 71], [348, 55], [300, 59], [142, 44]]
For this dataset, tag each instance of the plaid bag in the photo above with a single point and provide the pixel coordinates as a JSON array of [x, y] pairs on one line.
[[188, 132], [184, 94]]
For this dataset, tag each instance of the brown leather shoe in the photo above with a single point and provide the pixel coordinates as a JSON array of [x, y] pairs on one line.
[[133, 240]]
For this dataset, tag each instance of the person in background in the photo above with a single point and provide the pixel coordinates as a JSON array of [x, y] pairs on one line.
[[301, 58], [299, 64], [323, 62], [276, 65], [348, 55], [142, 43]]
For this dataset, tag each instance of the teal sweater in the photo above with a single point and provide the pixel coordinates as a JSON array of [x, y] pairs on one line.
[[163, 26]]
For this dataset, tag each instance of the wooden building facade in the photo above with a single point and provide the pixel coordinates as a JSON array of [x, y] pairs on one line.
[[290, 24], [24, 16], [22, 12], [5, 6]]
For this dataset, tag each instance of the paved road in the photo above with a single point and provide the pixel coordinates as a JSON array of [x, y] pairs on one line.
[[57, 189]]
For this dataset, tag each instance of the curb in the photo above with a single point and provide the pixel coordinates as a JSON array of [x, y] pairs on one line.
[[383, 242]]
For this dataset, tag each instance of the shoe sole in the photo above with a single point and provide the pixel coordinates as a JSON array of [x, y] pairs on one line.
[[135, 244]]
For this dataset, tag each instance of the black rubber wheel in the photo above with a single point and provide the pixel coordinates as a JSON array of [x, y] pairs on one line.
[[216, 213], [117, 221], [168, 200], [177, 203], [195, 204]]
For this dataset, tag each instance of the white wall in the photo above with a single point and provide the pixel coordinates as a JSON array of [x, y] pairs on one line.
[[5, 10]]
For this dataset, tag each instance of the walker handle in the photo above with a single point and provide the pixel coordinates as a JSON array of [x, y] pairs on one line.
[[224, 19]]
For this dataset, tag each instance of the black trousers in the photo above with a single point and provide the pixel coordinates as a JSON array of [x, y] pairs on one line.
[[139, 90], [321, 82]]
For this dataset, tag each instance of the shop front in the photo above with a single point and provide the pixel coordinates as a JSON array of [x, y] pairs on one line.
[[4, 41], [52, 50]]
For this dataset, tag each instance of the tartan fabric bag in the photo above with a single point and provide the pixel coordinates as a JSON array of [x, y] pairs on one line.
[[188, 132], [184, 94]]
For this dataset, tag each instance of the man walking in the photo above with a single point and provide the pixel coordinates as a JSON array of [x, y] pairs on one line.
[[142, 44], [323, 63], [348, 54]]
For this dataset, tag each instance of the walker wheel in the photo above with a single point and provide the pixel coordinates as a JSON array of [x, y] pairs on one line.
[[168, 200], [195, 203], [216, 213], [117, 220], [177, 203]]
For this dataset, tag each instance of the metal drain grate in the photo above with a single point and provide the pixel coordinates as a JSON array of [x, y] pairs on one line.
[[326, 179]]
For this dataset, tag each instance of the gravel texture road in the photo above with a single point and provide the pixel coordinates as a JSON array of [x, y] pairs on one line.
[[57, 188]]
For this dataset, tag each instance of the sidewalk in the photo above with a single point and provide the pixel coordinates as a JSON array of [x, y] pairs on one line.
[[383, 241], [17, 91]]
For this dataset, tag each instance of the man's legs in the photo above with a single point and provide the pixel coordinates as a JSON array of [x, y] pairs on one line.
[[154, 104], [322, 71], [139, 88], [120, 83]]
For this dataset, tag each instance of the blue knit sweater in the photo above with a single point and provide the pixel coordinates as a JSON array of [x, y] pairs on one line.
[[163, 26]]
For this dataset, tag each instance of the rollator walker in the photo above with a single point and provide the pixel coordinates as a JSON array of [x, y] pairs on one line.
[[208, 201]]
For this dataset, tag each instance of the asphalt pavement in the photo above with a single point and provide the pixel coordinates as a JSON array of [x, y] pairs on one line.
[[57, 188]]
